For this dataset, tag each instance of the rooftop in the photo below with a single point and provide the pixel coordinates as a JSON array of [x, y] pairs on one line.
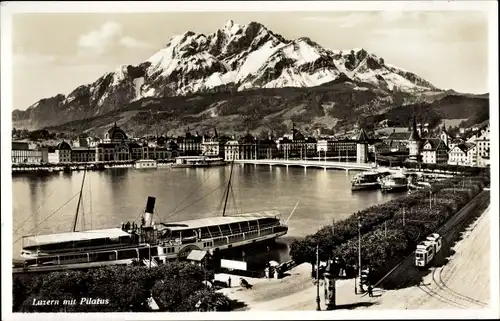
[[33, 240], [196, 255], [434, 142], [221, 220], [399, 136]]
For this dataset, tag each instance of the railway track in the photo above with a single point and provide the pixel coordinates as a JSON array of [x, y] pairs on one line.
[[406, 274]]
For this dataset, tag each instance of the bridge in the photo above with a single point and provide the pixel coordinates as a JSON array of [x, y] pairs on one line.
[[308, 163]]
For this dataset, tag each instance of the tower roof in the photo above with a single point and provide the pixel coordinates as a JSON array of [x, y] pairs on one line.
[[116, 133], [362, 136]]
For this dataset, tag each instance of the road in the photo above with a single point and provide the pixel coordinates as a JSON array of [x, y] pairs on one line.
[[463, 282], [407, 274]]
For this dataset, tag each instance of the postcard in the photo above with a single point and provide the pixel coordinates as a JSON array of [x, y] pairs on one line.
[[250, 160]]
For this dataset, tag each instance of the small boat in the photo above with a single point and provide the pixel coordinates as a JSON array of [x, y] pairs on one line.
[[197, 161], [368, 180], [365, 181], [394, 183]]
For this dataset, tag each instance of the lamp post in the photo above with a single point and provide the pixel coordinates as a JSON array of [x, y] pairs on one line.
[[318, 300], [359, 254]]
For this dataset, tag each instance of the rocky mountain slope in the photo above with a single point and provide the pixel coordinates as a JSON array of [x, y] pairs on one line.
[[235, 58], [330, 108]]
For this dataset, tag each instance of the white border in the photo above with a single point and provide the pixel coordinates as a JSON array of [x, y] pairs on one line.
[[10, 8]]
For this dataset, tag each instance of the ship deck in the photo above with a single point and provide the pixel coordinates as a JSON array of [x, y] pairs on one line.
[[221, 220], [38, 240]]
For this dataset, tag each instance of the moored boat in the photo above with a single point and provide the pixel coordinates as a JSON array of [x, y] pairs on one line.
[[146, 163], [368, 180], [365, 181], [198, 161], [394, 183]]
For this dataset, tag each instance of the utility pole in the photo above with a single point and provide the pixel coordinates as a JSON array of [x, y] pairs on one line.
[[318, 300], [205, 267], [403, 216], [333, 226]]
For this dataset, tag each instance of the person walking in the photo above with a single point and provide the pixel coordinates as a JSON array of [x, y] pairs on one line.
[[370, 291], [229, 282]]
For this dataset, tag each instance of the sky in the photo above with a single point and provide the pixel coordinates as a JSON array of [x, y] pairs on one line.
[[55, 53]]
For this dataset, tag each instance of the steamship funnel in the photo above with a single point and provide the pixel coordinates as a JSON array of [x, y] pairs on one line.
[[149, 211]]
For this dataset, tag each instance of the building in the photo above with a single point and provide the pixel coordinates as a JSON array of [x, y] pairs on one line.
[[483, 146], [82, 141], [189, 145], [414, 144], [232, 150], [446, 137], [213, 145], [83, 154], [61, 154], [324, 146], [423, 129], [395, 142], [249, 147], [463, 154], [116, 146], [266, 148], [22, 154], [296, 145], [434, 151], [337, 147]]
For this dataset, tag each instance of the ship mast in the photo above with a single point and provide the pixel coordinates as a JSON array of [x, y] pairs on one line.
[[228, 187], [81, 192]]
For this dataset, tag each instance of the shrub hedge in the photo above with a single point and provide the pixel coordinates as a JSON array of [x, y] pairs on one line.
[[174, 286], [389, 231], [448, 168]]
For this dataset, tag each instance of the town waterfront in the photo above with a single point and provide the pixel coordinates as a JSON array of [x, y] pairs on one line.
[[118, 195]]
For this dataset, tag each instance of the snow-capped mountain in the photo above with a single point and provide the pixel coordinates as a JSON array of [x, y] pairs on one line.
[[251, 56], [236, 57]]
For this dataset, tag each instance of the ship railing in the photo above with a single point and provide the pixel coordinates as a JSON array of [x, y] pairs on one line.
[[245, 229], [90, 248], [89, 257]]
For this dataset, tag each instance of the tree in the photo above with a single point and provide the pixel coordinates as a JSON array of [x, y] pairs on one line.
[[127, 288]]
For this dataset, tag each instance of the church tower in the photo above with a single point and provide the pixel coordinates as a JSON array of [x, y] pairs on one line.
[[444, 134], [414, 143]]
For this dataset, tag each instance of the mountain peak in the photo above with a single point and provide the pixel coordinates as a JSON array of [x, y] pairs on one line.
[[229, 24], [236, 57]]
